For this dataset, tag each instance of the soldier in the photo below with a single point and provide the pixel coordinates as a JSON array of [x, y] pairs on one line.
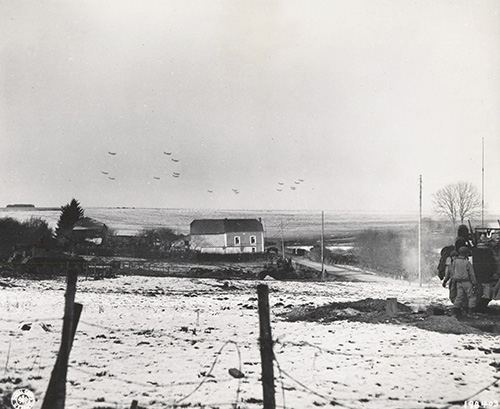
[[463, 237], [462, 273], [447, 275]]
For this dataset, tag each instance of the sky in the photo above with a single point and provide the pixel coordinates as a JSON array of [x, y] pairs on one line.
[[355, 97]]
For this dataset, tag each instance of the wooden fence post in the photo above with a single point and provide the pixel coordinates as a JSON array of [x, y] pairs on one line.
[[77, 312], [266, 347], [55, 395]]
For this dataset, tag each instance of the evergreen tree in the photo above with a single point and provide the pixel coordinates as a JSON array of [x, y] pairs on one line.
[[70, 214]]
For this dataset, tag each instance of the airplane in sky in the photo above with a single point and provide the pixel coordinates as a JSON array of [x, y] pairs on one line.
[[112, 153]]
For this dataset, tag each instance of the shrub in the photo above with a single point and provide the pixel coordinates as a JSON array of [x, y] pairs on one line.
[[16, 235]]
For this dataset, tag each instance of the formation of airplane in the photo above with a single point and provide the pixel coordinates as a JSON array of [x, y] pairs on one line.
[[293, 186], [176, 175]]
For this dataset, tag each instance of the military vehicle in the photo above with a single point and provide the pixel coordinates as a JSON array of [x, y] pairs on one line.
[[486, 261], [484, 245]]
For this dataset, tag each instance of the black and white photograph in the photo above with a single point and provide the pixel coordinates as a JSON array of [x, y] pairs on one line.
[[249, 204]]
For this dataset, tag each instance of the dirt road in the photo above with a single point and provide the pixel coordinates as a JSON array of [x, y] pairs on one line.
[[335, 272]]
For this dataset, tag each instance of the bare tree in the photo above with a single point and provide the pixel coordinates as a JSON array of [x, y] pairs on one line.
[[458, 201]]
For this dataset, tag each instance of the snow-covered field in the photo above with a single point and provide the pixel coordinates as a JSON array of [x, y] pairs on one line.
[[152, 339], [297, 223]]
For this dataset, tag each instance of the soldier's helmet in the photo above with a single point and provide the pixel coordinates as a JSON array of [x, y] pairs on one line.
[[463, 231], [464, 251]]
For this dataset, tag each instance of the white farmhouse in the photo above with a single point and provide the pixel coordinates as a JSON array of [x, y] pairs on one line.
[[227, 236]]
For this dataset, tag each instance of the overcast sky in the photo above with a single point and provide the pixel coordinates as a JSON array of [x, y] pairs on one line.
[[354, 97]]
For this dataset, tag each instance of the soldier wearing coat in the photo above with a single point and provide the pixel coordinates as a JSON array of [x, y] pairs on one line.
[[462, 273]]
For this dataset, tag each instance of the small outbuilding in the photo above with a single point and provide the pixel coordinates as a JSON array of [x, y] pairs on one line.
[[89, 230], [227, 236]]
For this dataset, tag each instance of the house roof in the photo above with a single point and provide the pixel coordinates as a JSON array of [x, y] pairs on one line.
[[219, 226], [87, 223]]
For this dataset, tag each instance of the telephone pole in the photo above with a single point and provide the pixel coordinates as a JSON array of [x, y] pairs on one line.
[[282, 240], [322, 245], [482, 186], [420, 233]]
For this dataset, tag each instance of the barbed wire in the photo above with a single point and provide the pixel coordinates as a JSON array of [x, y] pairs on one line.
[[26, 321], [168, 335], [496, 381], [158, 404], [380, 355], [281, 381], [148, 384], [118, 329], [308, 389], [212, 366]]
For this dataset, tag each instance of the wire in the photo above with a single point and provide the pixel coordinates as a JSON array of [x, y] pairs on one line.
[[147, 384], [168, 335], [281, 381], [496, 381], [463, 401], [238, 390], [28, 320], [363, 355], [307, 389], [208, 373]]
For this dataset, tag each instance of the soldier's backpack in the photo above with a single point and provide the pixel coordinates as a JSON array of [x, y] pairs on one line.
[[445, 253]]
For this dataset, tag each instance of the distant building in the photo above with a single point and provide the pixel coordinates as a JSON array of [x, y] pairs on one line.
[[227, 236], [90, 230]]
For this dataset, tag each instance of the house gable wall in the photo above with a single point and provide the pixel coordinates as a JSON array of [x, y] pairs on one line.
[[245, 244], [204, 242]]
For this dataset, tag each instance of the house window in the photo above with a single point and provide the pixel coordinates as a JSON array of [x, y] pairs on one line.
[[236, 240], [253, 240]]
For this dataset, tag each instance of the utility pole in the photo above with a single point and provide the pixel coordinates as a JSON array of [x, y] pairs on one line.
[[482, 187], [420, 233], [323, 245], [282, 240]]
